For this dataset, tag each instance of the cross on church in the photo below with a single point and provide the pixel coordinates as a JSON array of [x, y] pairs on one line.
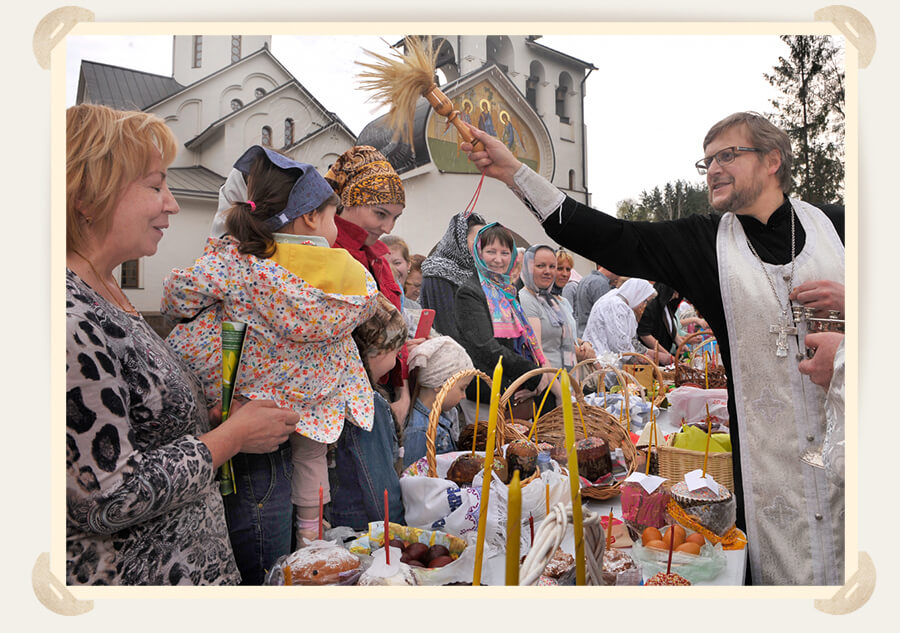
[[783, 328]]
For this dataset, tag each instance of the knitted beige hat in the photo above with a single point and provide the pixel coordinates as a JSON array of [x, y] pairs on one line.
[[438, 359]]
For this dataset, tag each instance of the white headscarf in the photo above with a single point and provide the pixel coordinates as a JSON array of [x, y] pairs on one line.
[[438, 359], [612, 325], [634, 291]]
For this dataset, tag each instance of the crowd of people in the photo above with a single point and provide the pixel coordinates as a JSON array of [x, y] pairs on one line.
[[336, 389]]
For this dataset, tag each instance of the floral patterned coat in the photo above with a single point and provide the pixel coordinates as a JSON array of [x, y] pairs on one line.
[[300, 307]]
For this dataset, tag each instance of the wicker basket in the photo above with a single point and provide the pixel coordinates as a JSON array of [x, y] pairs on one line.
[[598, 422], [598, 370], [685, 373], [675, 462], [503, 434], [657, 375]]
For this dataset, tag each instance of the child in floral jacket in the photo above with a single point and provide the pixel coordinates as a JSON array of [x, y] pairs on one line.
[[300, 303]]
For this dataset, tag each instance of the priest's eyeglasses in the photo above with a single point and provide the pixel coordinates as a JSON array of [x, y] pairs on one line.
[[723, 157]]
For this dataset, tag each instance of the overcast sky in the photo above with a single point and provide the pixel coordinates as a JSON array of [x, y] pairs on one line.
[[648, 105]]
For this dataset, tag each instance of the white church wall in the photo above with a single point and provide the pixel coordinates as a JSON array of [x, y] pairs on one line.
[[181, 244]]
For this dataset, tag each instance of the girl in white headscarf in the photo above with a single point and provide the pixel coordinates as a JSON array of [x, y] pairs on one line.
[[612, 325], [437, 360]]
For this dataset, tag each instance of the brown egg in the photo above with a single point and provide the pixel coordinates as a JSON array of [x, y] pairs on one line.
[[395, 542], [414, 563], [415, 551], [680, 533], [669, 535], [440, 561], [697, 538], [658, 544], [435, 551], [689, 548], [650, 534]]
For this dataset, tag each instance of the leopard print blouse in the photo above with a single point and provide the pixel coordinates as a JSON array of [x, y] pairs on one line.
[[142, 504]]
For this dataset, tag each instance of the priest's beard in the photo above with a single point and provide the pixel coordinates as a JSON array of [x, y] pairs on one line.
[[740, 198]]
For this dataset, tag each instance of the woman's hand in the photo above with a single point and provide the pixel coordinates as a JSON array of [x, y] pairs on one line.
[[262, 425], [413, 342], [583, 351], [495, 160], [821, 295], [259, 426]]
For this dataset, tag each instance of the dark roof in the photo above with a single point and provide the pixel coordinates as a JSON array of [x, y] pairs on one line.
[[197, 181], [399, 154], [122, 88], [530, 41]]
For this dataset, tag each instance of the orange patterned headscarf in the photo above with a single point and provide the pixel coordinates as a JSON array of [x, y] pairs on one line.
[[362, 176]]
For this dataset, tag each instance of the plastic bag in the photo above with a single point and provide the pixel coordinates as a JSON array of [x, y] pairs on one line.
[[303, 561], [704, 567], [690, 403], [435, 503], [614, 403]]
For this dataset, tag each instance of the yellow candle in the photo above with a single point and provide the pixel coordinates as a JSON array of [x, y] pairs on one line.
[[547, 393], [574, 483], [708, 435], [488, 463], [609, 539], [512, 418], [651, 443], [581, 415], [705, 369], [547, 498], [513, 529]]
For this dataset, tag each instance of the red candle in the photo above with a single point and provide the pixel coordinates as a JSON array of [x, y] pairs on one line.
[[320, 512], [671, 547], [387, 531], [531, 527]]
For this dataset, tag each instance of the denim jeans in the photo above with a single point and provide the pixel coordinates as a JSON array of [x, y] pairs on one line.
[[259, 514], [364, 469]]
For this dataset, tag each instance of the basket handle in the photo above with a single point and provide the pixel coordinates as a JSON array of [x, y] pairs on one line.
[[528, 375], [688, 338], [435, 414], [621, 376], [656, 372], [576, 370]]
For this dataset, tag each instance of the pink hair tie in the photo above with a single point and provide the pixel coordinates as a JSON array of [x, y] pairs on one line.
[[252, 205]]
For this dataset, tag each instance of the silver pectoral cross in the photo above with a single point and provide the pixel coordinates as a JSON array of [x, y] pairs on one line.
[[783, 328]]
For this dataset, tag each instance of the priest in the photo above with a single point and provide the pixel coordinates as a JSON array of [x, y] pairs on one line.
[[740, 268]]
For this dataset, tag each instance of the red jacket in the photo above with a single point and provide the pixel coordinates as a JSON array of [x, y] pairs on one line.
[[352, 238]]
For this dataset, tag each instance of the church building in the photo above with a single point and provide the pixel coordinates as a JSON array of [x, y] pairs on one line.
[[229, 92], [526, 94]]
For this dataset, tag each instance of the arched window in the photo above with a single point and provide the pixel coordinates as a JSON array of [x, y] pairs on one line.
[[571, 179], [532, 82], [198, 52], [288, 132], [236, 104], [130, 274], [235, 48], [259, 92], [562, 97], [499, 51], [447, 69], [266, 136]]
